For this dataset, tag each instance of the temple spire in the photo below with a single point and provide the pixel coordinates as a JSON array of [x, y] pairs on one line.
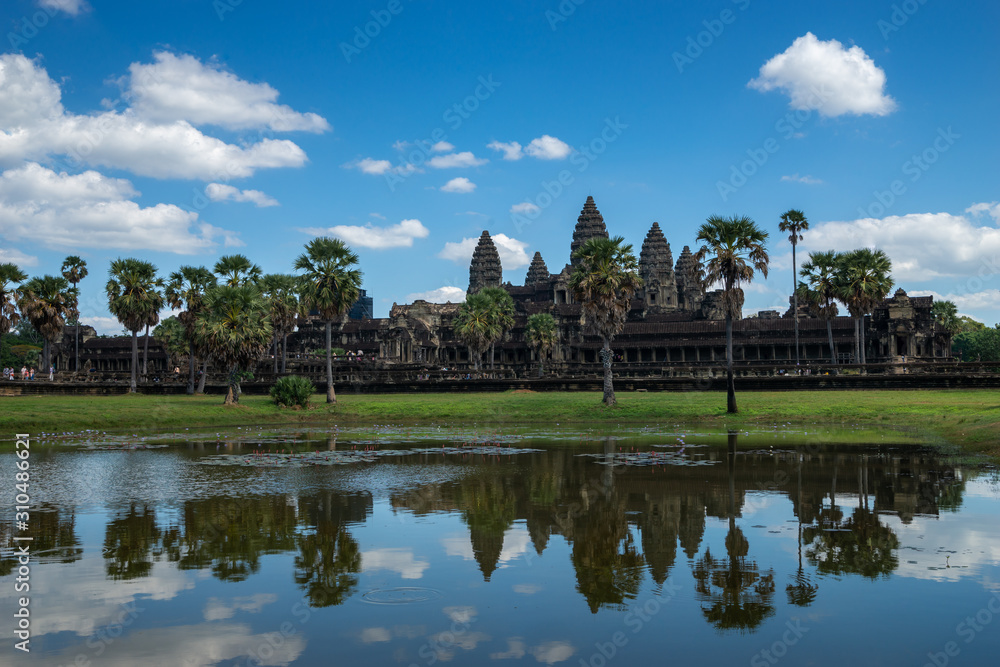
[[538, 273], [485, 269], [589, 225]]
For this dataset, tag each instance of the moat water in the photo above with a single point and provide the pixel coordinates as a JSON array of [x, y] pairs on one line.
[[420, 546]]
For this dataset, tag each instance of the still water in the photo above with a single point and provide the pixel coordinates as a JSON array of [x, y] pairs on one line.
[[579, 547]]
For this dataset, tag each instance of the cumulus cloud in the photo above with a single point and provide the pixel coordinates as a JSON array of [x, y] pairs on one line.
[[966, 302], [222, 192], [552, 652], [90, 210], [370, 166], [511, 151], [922, 246], [808, 180], [71, 7], [826, 77], [219, 610], [379, 238], [182, 87], [400, 561], [105, 326], [15, 256], [453, 160], [447, 294], [34, 125], [525, 208], [442, 147], [460, 184], [548, 148], [990, 208], [512, 254]]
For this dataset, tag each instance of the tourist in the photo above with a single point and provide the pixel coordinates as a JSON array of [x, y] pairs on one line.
[[31, 373], [24, 373], [52, 373]]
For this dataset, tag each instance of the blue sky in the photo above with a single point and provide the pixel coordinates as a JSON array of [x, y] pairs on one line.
[[182, 131]]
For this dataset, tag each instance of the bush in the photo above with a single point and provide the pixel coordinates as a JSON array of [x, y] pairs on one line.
[[292, 390]]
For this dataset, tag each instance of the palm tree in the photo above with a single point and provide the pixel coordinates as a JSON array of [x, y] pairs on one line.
[[864, 278], [820, 288], [502, 311], [330, 285], [10, 296], [133, 299], [280, 290], [737, 250], [237, 270], [794, 222], [172, 335], [476, 325], [235, 326], [46, 302], [186, 289], [604, 282], [946, 315], [74, 269], [542, 335]]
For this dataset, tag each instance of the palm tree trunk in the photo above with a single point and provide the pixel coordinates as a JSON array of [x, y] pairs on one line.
[[274, 351], [76, 343], [857, 355], [190, 387], [45, 354], [730, 383], [829, 336], [330, 396], [491, 356], [795, 304], [861, 328], [204, 376], [609, 387], [135, 360], [233, 395], [145, 351], [284, 352]]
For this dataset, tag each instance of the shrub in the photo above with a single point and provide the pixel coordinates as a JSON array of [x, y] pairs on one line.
[[292, 390]]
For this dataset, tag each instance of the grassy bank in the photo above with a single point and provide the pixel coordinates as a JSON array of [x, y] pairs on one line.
[[969, 419]]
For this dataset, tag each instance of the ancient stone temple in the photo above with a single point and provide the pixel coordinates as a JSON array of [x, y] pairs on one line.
[[485, 269], [673, 321]]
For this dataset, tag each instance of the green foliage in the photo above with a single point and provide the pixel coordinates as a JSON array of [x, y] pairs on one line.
[[10, 295], [946, 315], [981, 345], [292, 390], [477, 325], [172, 335]]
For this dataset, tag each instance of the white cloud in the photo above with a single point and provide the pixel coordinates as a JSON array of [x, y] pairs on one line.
[[525, 208], [105, 326], [445, 294], [400, 561], [219, 610], [453, 160], [512, 255], [183, 88], [990, 208], [460, 185], [922, 246], [373, 635], [34, 125], [221, 192], [72, 7], [527, 589], [826, 77], [90, 210], [379, 238], [15, 256], [808, 180], [371, 166], [553, 652], [442, 147], [515, 650], [966, 301], [511, 151], [548, 148]]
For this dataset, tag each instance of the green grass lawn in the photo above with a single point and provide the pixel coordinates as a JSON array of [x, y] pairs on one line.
[[969, 419]]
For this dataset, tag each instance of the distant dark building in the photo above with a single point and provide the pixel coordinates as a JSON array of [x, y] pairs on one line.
[[362, 308]]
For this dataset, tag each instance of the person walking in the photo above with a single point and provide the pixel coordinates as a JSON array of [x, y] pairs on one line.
[[52, 373]]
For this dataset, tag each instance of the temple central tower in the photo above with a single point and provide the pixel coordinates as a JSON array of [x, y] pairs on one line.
[[485, 269], [589, 225]]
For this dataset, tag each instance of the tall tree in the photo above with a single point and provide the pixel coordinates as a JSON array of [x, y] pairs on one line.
[[10, 296], [133, 298], [186, 289], [542, 335], [502, 311], [794, 223], [864, 279], [171, 334], [74, 269], [329, 284], [604, 282], [476, 325], [820, 287], [46, 302], [237, 270], [281, 292], [946, 316], [736, 248], [235, 326]]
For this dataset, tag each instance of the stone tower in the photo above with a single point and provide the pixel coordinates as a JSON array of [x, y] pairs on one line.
[[589, 225], [485, 269], [656, 267], [538, 273], [690, 290]]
